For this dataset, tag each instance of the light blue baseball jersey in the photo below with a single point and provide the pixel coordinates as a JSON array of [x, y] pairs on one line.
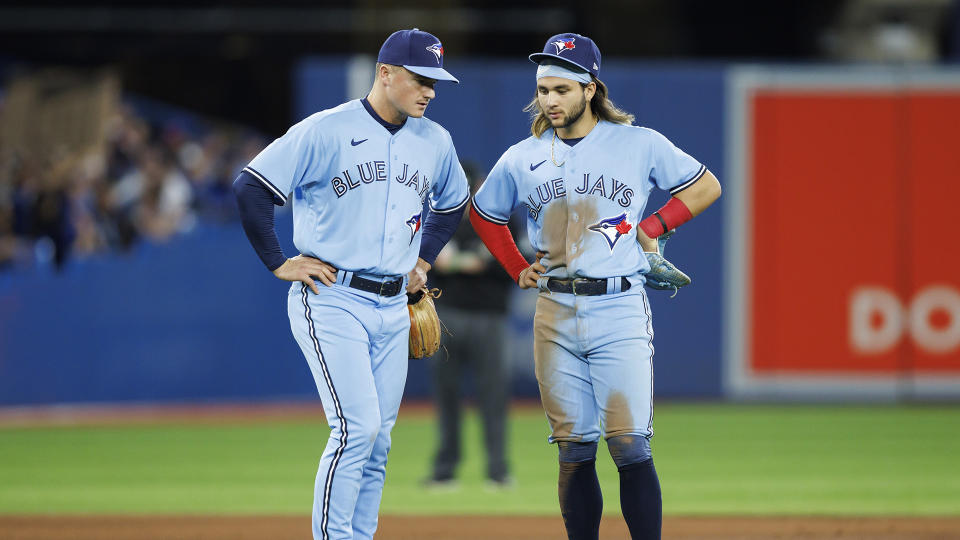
[[584, 203], [358, 191]]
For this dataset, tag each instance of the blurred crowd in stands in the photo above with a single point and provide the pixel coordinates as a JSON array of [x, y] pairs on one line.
[[152, 181]]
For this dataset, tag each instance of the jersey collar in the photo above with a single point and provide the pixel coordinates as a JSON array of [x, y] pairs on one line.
[[588, 137], [392, 128]]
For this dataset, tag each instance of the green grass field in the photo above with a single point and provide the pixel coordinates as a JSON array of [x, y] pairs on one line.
[[712, 459]]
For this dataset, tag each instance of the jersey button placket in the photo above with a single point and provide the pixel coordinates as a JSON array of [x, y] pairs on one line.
[[573, 217], [391, 166]]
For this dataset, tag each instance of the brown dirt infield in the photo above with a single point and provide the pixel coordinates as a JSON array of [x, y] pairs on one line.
[[468, 528]]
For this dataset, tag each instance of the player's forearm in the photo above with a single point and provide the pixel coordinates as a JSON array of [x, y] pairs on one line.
[[501, 244], [437, 231], [256, 214]]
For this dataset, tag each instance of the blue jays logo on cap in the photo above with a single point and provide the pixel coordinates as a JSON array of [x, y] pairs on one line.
[[418, 51], [612, 228], [437, 50], [414, 224], [573, 50], [564, 45]]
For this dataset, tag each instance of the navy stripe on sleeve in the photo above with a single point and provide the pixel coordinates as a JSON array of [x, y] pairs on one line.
[[689, 182], [266, 183], [487, 216], [449, 210]]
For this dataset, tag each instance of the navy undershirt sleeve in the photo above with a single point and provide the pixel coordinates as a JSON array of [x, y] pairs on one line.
[[256, 213], [437, 231]]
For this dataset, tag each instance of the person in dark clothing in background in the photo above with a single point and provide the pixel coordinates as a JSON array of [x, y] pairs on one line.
[[473, 307]]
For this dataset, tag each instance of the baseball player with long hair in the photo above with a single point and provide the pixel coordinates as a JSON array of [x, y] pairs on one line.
[[584, 177], [358, 175]]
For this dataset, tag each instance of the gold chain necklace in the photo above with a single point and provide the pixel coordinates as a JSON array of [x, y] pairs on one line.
[[552, 143]]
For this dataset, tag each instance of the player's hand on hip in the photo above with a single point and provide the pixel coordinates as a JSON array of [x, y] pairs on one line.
[[303, 268], [649, 245], [417, 278], [530, 275]]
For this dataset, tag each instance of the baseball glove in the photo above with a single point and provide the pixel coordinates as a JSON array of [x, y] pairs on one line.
[[663, 275], [424, 323]]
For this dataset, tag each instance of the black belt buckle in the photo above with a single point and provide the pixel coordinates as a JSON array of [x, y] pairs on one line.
[[583, 282], [390, 288]]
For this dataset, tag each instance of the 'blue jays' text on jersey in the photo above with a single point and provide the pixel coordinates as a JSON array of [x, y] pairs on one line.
[[358, 191], [583, 213]]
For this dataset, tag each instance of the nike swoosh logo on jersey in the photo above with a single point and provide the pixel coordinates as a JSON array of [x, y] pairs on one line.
[[534, 167], [354, 142]]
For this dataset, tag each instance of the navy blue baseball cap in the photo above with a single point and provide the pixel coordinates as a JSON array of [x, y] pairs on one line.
[[573, 49], [416, 50]]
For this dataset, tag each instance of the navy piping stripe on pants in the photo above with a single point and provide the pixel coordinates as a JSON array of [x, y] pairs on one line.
[[343, 421]]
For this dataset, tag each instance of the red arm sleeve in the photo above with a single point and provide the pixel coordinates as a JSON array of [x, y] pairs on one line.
[[672, 215], [500, 242]]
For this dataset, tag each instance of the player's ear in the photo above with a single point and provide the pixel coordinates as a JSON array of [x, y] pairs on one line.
[[383, 73], [589, 90]]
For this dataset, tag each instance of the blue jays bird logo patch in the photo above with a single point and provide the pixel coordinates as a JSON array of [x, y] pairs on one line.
[[613, 228], [564, 45], [437, 50], [414, 224]]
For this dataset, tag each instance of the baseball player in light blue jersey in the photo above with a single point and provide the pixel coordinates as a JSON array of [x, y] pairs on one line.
[[584, 178], [357, 176]]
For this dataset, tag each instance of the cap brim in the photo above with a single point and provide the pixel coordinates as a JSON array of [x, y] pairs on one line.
[[536, 58], [439, 74]]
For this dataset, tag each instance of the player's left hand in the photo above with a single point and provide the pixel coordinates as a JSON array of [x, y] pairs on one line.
[[649, 245], [531, 275], [306, 269], [417, 278]]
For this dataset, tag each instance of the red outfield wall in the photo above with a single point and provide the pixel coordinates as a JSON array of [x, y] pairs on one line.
[[852, 238]]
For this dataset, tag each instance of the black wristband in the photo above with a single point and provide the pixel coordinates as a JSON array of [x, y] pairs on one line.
[[662, 222]]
